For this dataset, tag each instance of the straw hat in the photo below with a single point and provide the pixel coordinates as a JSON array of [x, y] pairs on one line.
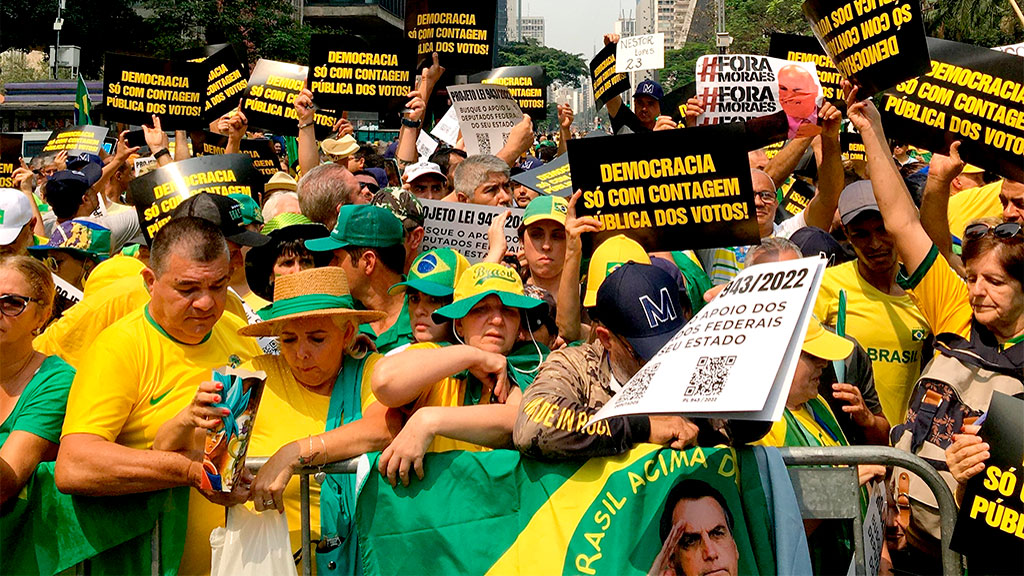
[[280, 181], [309, 294], [340, 147]]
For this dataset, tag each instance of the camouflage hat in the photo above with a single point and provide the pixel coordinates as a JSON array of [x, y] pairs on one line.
[[402, 203]]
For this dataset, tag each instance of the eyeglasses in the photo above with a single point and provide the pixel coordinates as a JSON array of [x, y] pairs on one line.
[[766, 196], [1001, 231], [12, 305]]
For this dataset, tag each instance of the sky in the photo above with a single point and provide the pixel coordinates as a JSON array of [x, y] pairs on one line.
[[576, 26]]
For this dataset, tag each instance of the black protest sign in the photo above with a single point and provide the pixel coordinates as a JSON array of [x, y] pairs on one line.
[[669, 190], [972, 94], [796, 195], [807, 49], [261, 150], [76, 140], [606, 82], [226, 78], [135, 88], [674, 103], [10, 153], [460, 31], [990, 525], [347, 73], [156, 194], [527, 84], [852, 146], [268, 100], [874, 43], [552, 178]]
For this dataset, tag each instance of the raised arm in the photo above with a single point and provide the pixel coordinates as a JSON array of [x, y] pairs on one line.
[[419, 98], [181, 146], [781, 165], [569, 307], [565, 119], [157, 140], [822, 208], [894, 201], [935, 199], [309, 150], [519, 140]]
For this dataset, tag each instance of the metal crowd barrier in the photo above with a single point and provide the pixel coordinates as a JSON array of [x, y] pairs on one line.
[[822, 491]]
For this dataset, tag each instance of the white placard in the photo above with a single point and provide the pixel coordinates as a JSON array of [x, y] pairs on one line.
[[738, 87], [447, 129], [645, 52], [66, 291], [873, 531], [487, 113], [737, 356], [145, 165], [463, 227], [1015, 49], [425, 145]]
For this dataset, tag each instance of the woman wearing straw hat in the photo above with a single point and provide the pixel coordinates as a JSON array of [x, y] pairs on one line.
[[450, 409], [316, 407]]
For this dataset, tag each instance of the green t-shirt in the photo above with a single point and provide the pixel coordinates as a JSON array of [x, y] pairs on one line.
[[40, 408], [399, 334]]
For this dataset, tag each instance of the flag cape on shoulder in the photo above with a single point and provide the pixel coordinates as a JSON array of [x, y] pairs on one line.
[[500, 513]]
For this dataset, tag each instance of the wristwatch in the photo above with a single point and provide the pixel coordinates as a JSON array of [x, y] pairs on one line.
[[161, 152], [301, 126], [410, 123]]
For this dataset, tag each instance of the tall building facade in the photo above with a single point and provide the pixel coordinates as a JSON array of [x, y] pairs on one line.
[[533, 27]]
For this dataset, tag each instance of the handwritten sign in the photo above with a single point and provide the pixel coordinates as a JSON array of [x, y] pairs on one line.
[[645, 52]]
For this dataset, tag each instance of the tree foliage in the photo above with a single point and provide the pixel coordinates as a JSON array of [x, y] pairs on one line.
[[679, 64], [751, 23], [561, 67], [982, 22]]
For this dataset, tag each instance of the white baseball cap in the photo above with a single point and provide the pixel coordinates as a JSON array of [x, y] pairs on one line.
[[856, 198], [414, 171], [15, 212]]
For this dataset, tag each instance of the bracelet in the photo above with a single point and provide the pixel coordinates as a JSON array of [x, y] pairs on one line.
[[306, 460], [400, 161], [411, 123], [306, 125], [161, 152]]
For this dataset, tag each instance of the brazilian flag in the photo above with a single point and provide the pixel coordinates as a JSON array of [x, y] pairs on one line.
[[500, 513], [83, 106]]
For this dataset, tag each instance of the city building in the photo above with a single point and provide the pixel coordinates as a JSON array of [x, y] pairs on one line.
[[533, 27]]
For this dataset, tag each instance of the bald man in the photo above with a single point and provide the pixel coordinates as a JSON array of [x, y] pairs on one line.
[[797, 95]]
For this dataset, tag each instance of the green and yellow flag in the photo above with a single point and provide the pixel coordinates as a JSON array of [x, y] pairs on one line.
[[500, 513], [83, 106]]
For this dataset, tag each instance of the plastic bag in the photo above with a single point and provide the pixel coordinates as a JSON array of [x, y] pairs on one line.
[[252, 544]]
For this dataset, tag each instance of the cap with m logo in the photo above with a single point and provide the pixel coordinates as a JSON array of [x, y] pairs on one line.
[[640, 303]]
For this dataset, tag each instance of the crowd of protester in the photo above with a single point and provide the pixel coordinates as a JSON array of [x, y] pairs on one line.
[[371, 344]]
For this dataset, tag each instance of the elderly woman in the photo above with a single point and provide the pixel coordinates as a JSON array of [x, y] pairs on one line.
[[461, 397], [979, 327], [35, 386], [316, 408], [34, 394]]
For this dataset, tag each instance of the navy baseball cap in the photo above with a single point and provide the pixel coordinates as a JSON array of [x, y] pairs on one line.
[[649, 88], [640, 302], [530, 163], [74, 181], [83, 159]]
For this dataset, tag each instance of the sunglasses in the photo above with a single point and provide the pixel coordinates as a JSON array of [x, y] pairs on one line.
[[12, 305], [1001, 231]]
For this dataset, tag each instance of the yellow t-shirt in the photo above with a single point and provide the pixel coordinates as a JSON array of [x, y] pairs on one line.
[[449, 392], [81, 324], [134, 379], [288, 412], [890, 328], [941, 295], [777, 435], [974, 203]]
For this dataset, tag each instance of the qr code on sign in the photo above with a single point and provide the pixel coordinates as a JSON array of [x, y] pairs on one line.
[[710, 376], [637, 386], [483, 142]]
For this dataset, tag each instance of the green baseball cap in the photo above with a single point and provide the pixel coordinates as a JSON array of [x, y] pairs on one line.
[[79, 237], [480, 281], [361, 225], [540, 208], [434, 273], [251, 213]]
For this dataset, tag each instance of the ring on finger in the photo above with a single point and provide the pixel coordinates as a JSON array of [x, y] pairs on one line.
[[268, 502]]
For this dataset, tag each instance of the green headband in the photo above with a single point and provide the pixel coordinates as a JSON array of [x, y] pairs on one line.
[[305, 303]]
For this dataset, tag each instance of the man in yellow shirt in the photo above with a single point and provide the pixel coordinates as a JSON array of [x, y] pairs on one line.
[[144, 369], [1000, 198], [879, 314], [72, 335]]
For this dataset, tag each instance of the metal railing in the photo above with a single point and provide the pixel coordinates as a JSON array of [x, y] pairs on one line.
[[822, 492], [825, 489]]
